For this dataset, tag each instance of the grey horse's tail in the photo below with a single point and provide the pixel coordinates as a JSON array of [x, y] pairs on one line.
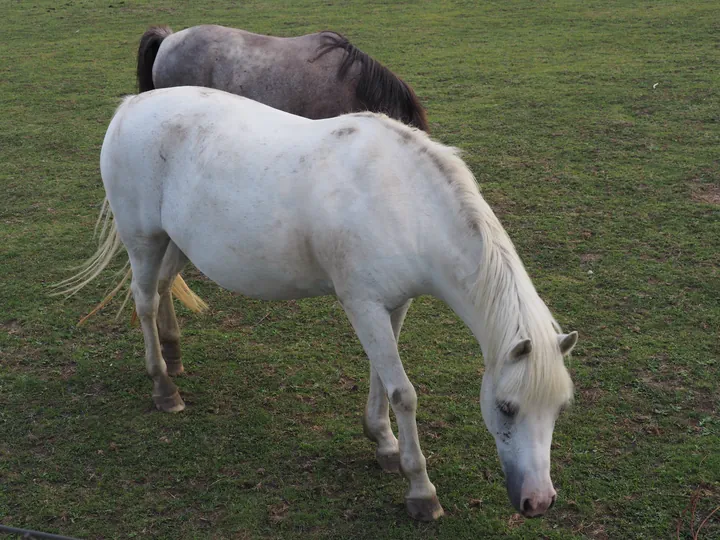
[[149, 45]]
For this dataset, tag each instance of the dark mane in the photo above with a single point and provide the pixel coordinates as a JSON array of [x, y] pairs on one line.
[[378, 88]]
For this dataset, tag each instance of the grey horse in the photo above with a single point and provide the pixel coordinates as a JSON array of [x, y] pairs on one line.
[[318, 75]]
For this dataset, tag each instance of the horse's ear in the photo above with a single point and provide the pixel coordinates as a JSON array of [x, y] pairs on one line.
[[522, 349], [567, 342]]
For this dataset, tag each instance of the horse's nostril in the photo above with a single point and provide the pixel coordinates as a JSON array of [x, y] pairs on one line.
[[552, 503], [526, 506]]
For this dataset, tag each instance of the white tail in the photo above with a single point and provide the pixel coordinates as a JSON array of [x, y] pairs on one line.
[[109, 245]]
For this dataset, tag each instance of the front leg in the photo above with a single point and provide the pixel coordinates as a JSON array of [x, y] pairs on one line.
[[376, 425], [376, 422], [374, 328]]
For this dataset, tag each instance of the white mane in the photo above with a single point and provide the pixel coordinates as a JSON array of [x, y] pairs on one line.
[[512, 310], [503, 294]]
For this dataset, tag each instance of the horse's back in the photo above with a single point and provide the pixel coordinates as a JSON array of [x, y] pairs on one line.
[[297, 204], [285, 73]]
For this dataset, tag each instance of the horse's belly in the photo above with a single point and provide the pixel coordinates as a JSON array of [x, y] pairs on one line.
[[266, 282], [270, 267]]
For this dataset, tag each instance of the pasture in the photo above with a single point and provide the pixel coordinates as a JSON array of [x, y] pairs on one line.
[[593, 131]]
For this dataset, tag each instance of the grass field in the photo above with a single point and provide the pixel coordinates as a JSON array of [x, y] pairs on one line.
[[593, 129]]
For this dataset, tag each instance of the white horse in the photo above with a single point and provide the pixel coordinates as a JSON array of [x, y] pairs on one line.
[[276, 206]]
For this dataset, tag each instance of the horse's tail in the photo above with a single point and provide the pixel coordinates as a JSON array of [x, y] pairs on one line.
[[149, 45], [109, 245]]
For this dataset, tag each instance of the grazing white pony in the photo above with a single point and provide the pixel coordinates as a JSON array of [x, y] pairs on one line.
[[276, 206]]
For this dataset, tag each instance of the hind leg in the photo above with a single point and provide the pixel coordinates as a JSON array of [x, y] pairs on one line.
[[168, 329], [146, 258]]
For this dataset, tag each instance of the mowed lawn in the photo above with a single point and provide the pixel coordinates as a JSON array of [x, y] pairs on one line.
[[593, 129]]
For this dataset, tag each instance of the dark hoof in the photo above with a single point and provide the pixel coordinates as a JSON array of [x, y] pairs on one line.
[[424, 509], [172, 403], [390, 463]]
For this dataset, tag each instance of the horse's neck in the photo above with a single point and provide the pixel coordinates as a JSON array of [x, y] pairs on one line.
[[458, 293], [484, 261]]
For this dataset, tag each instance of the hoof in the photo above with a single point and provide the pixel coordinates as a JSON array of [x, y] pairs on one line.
[[424, 509], [390, 463], [172, 403]]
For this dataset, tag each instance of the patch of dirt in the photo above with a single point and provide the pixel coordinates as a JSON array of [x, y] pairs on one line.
[[664, 383], [348, 383], [67, 370], [590, 396], [25, 360], [434, 430], [233, 322], [590, 257], [667, 378], [706, 193], [570, 515], [310, 400], [597, 531], [515, 521], [645, 423], [278, 512], [500, 203], [12, 327]]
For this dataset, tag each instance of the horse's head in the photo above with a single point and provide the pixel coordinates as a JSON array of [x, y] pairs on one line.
[[521, 398]]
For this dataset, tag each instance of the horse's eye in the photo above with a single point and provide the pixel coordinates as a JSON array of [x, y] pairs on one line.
[[507, 408]]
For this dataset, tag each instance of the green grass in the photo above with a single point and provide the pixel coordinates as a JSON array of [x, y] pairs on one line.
[[593, 130]]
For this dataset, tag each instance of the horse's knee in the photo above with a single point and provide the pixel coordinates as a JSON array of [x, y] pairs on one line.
[[403, 399]]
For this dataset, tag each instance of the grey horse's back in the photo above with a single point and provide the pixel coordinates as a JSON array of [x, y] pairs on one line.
[[318, 75], [285, 73]]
